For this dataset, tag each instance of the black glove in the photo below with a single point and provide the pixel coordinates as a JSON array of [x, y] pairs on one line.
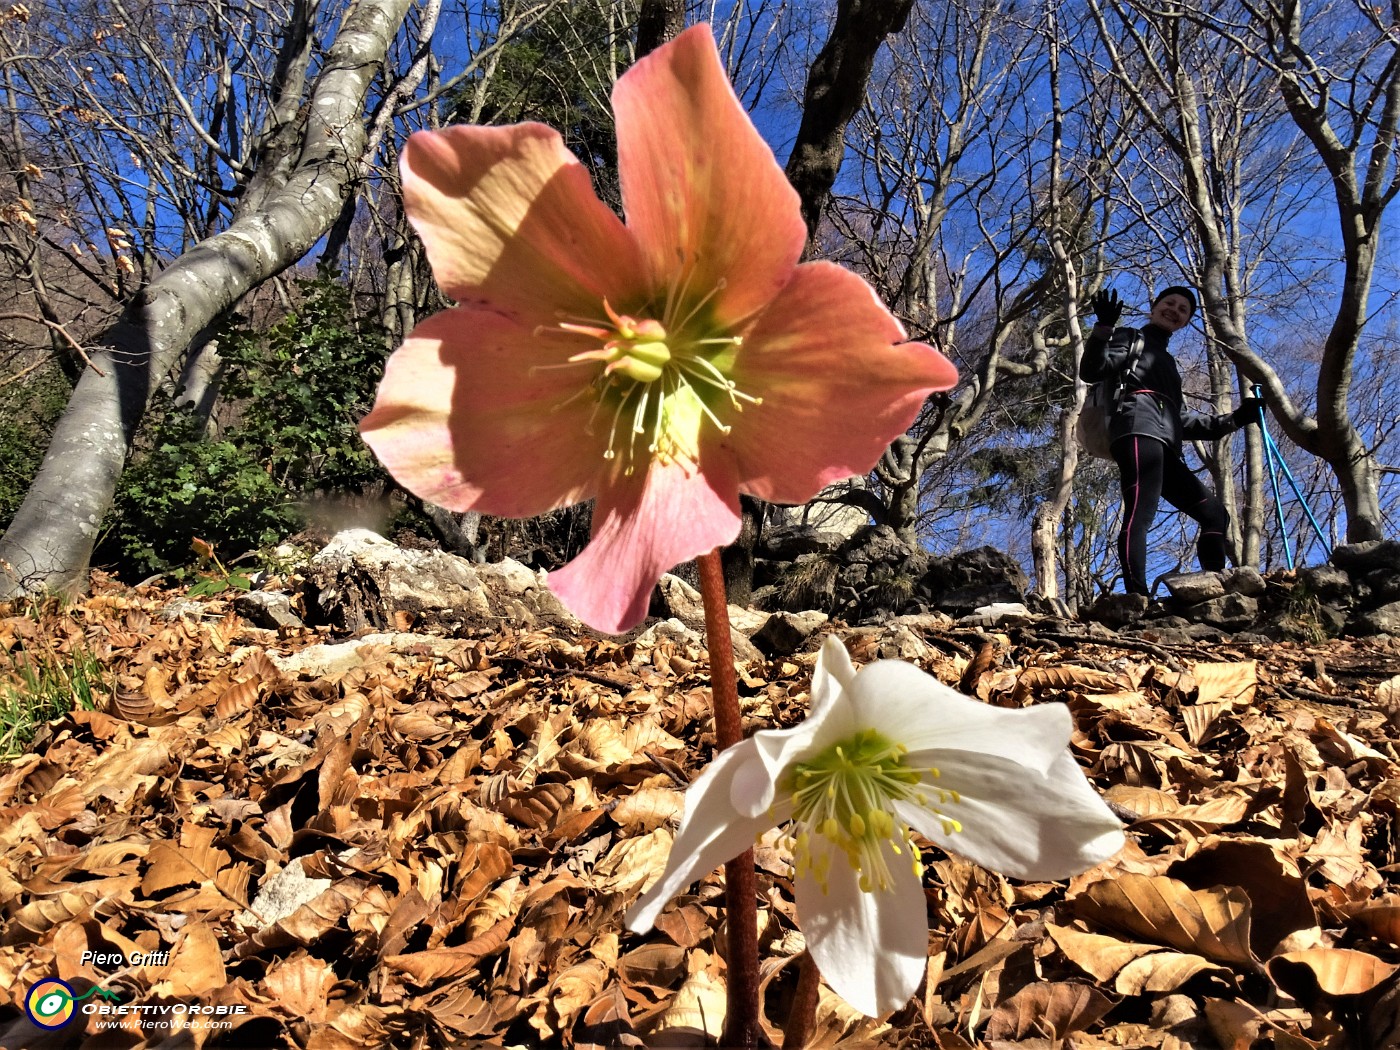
[[1107, 308], [1251, 410]]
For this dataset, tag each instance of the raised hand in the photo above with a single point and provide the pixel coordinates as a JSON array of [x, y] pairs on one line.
[[1107, 307]]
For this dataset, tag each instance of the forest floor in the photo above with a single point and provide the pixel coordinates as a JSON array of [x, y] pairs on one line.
[[433, 844]]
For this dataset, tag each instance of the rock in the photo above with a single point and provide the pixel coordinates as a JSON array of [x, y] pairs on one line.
[[898, 642], [283, 894], [1193, 588], [932, 621], [182, 608], [1385, 620], [765, 598], [873, 545], [968, 580], [785, 632], [1117, 610], [1361, 558], [673, 630], [1333, 620], [1043, 605], [1246, 580], [1172, 630], [999, 613], [748, 621], [1233, 612], [522, 595], [1325, 581], [1382, 586], [669, 630], [268, 609], [360, 580], [676, 599], [332, 658], [790, 542]]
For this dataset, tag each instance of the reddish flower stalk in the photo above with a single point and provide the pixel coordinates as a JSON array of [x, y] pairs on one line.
[[741, 1024], [802, 1017]]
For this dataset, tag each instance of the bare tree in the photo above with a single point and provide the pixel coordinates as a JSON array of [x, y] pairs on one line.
[[299, 181], [1348, 108]]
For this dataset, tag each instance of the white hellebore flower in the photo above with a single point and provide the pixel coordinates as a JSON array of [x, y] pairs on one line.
[[887, 751]]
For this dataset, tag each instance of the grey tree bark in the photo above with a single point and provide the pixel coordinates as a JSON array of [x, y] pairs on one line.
[[49, 543]]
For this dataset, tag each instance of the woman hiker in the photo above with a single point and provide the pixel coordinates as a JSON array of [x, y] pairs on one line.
[[1149, 424]]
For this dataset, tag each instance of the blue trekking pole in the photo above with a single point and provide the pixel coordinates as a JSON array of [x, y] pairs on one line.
[[1275, 456]]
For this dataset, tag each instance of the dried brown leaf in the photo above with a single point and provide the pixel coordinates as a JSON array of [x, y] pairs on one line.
[[1097, 954], [441, 964], [1051, 1009], [1212, 922], [302, 984], [1307, 976], [1165, 972], [1232, 683], [649, 808]]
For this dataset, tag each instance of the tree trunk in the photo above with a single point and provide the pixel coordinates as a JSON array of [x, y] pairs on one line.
[[1050, 514], [835, 89], [50, 541], [657, 22], [737, 558]]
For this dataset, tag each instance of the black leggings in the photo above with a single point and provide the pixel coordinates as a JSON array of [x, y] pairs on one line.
[[1149, 472]]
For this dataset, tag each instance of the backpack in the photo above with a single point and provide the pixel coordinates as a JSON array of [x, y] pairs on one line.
[[1102, 401]]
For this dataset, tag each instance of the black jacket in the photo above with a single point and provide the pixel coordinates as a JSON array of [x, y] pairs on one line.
[[1152, 406]]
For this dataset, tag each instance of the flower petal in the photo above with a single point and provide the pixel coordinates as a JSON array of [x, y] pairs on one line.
[[710, 834], [1020, 824], [462, 420], [703, 194], [828, 719], [510, 220], [833, 673], [643, 525], [872, 948], [826, 350], [928, 718]]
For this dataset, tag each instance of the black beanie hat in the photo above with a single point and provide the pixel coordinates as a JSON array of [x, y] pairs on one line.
[[1180, 290]]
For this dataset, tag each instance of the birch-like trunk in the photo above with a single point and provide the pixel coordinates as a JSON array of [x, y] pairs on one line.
[[49, 543]]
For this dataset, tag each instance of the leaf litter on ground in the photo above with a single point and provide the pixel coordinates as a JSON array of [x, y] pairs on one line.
[[432, 843]]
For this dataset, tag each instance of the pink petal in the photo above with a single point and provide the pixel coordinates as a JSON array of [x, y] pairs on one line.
[[700, 187], [642, 526], [837, 385], [510, 221], [463, 421]]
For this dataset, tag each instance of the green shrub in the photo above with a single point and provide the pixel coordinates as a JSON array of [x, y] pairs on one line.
[[293, 395], [303, 386], [187, 488]]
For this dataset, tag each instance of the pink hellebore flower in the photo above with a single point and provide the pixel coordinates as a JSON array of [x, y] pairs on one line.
[[663, 366]]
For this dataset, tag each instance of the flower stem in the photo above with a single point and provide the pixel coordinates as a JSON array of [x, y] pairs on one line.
[[741, 1021], [802, 1017]]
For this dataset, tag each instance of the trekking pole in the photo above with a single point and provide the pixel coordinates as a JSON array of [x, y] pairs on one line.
[[1276, 456]]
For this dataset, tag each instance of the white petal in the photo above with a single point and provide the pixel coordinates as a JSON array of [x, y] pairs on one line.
[[834, 672], [830, 719], [710, 834], [755, 785], [872, 948], [1017, 822], [923, 714]]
